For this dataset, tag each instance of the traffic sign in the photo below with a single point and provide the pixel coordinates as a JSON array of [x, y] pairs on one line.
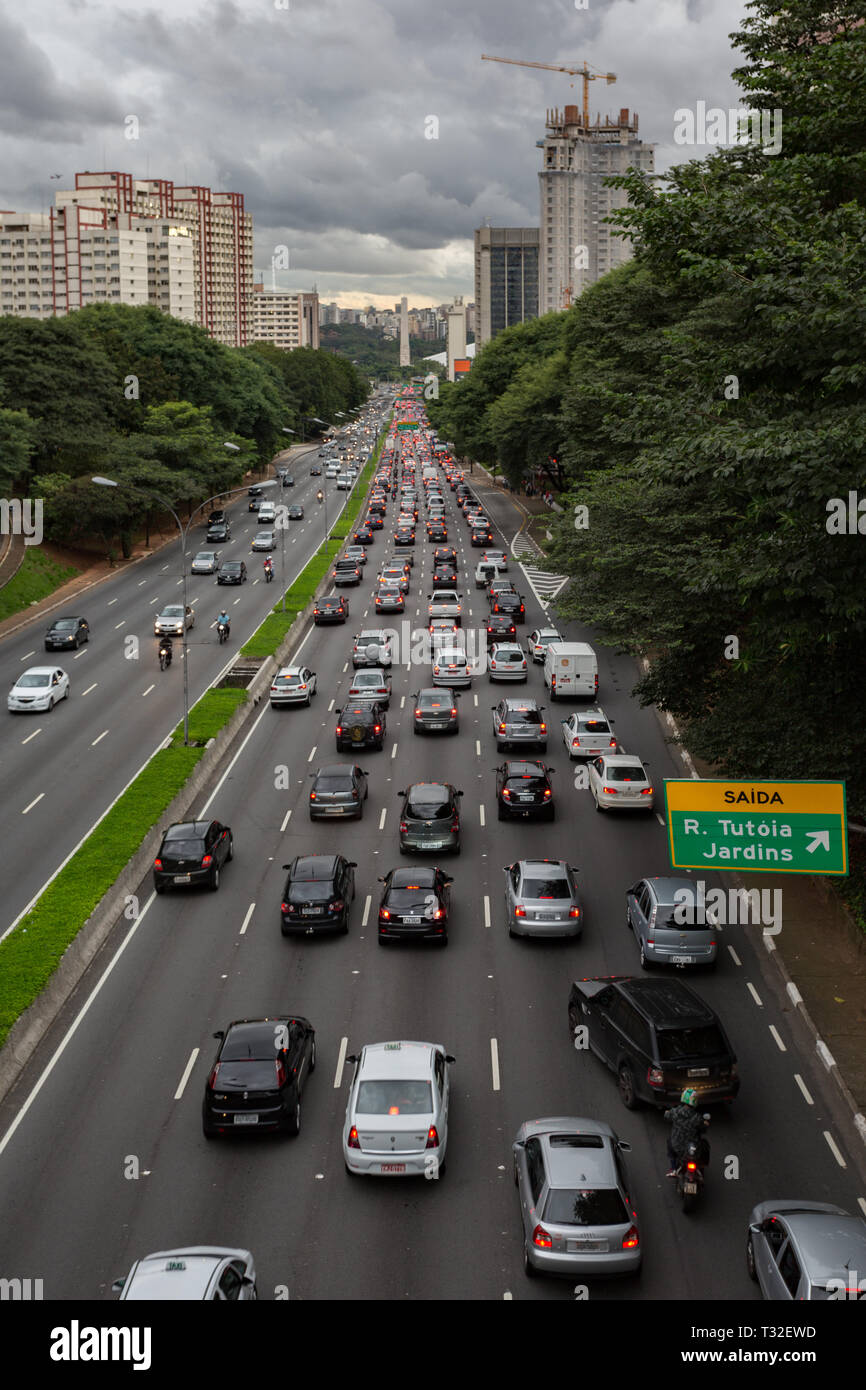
[[408, 424], [762, 827]]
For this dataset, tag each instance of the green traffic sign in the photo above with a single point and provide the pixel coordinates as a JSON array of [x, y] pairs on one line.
[[762, 827], [408, 424]]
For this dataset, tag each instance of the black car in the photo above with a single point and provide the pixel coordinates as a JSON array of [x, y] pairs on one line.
[[333, 609], [296, 512], [437, 531], [254, 504], [657, 1037], [65, 633], [338, 790], [219, 531], [414, 905], [232, 572], [444, 554], [360, 724], [500, 625], [430, 818], [435, 711], [510, 602], [316, 470], [317, 895], [258, 1075], [364, 535], [216, 517], [524, 789], [192, 852], [287, 480], [404, 535]]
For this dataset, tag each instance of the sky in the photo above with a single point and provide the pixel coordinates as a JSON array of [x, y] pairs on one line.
[[321, 113]]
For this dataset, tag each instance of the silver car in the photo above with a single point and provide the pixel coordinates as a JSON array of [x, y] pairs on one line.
[[194, 1272], [205, 562], [806, 1251], [541, 898], [620, 781], [397, 1116], [171, 620], [587, 733], [372, 647], [450, 667], [539, 640], [507, 662], [657, 910], [519, 721], [263, 540], [293, 685], [371, 684], [577, 1211]]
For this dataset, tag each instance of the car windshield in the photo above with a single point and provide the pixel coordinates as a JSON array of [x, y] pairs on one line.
[[34, 679], [394, 1098], [174, 611], [315, 891], [64, 624], [182, 849], [335, 782], [601, 1206], [681, 1044], [549, 887], [624, 774], [429, 805]]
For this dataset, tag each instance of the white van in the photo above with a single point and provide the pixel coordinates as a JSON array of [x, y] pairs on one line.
[[267, 513], [571, 670]]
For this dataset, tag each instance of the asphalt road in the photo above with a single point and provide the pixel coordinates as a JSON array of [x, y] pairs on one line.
[[61, 771], [126, 1084]]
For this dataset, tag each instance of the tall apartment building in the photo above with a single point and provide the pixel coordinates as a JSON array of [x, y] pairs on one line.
[[403, 309], [576, 245], [456, 337], [281, 317], [506, 279]]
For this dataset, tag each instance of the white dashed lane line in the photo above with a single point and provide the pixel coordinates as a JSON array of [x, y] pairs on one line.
[[33, 803], [186, 1074], [110, 602], [144, 581], [27, 655], [382, 817], [286, 818], [147, 691], [831, 1144], [341, 1062], [801, 1083], [734, 957], [366, 916], [754, 993], [250, 910], [778, 1041], [494, 1062], [99, 738], [120, 624], [29, 736], [89, 688], [481, 813], [486, 910]]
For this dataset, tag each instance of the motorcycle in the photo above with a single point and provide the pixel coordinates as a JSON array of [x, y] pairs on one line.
[[269, 573], [223, 632], [320, 497], [690, 1171], [164, 657]]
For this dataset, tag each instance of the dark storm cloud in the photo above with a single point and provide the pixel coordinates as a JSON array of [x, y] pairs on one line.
[[37, 101]]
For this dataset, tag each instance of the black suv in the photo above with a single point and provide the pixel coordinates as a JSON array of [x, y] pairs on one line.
[[524, 789], [258, 1075], [232, 572], [657, 1037], [318, 892], [360, 724], [510, 602], [192, 852]]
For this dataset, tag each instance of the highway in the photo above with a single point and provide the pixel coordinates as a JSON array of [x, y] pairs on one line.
[[120, 1076]]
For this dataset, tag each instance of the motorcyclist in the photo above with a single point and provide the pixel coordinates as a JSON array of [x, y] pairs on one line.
[[687, 1124], [320, 496], [223, 620], [165, 649], [269, 567]]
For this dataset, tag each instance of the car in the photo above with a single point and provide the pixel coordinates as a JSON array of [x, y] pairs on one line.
[[374, 522], [806, 1251], [500, 627], [65, 633], [296, 512], [219, 533], [480, 534], [344, 481], [575, 1200], [510, 602], [541, 898], [364, 535], [205, 562], [507, 662], [173, 620], [254, 504], [267, 515], [451, 667], [376, 506], [263, 540], [485, 573], [414, 905], [287, 480], [397, 1114], [404, 535], [332, 609], [443, 554], [255, 490], [360, 724], [232, 572], [519, 721], [435, 711], [539, 640], [524, 789], [293, 685], [657, 911], [430, 818], [388, 599], [394, 574], [318, 894], [588, 733], [437, 531], [445, 603], [356, 553], [258, 1076], [495, 557], [657, 1036], [38, 688], [346, 572], [191, 1274], [371, 684], [339, 789], [620, 781], [372, 647], [316, 471], [215, 517], [192, 852], [406, 560]]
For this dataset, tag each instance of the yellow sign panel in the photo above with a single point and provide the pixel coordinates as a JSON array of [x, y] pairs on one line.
[[776, 797]]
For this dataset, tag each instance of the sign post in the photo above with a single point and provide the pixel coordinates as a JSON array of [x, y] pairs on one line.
[[761, 827]]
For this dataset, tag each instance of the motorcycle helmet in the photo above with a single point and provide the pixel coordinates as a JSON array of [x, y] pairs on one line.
[[689, 1096]]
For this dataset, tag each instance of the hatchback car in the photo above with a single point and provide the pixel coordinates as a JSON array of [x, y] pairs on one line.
[[541, 898], [38, 688], [293, 685], [507, 662], [574, 1192], [657, 911], [364, 535], [404, 535], [500, 627], [360, 724], [190, 1274], [539, 640], [66, 633], [414, 905], [357, 553], [172, 620], [806, 1251], [397, 1114], [620, 782], [373, 683], [388, 598], [519, 721], [205, 562], [435, 712], [216, 516], [333, 609], [232, 572], [437, 531], [430, 818], [258, 1075], [588, 733], [445, 555], [296, 511], [318, 894], [263, 540], [394, 575], [339, 789], [451, 667], [496, 557], [192, 852], [524, 790], [218, 533]]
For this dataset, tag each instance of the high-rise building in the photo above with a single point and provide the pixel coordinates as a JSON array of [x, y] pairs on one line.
[[456, 343], [284, 318], [405, 354], [577, 246], [506, 279]]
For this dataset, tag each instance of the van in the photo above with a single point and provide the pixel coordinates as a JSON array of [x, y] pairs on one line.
[[267, 513], [571, 670]]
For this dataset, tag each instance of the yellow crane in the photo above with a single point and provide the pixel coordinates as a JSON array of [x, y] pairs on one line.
[[583, 72]]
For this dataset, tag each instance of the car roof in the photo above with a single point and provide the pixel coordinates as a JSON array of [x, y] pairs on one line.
[[530, 767], [424, 876], [668, 1003], [665, 888], [334, 769], [520, 704], [579, 1164], [418, 789], [622, 759], [186, 829], [313, 868], [191, 1282], [291, 670], [830, 1245], [409, 1059]]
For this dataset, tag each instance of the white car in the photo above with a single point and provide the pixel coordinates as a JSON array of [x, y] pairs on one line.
[[293, 685], [619, 781], [344, 482], [450, 667], [539, 640], [588, 733], [397, 1116], [38, 688], [193, 1273], [171, 620], [507, 662]]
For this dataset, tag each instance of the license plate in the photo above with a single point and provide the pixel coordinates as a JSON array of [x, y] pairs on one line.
[[525, 796], [310, 911], [333, 810], [699, 1071], [181, 878], [412, 921], [246, 1119], [683, 960], [393, 1168], [690, 1187], [579, 1245], [436, 725]]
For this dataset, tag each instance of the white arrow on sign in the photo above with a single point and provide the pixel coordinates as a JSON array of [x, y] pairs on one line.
[[818, 837]]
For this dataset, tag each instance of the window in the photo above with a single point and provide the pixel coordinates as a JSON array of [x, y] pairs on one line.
[[789, 1269], [535, 1167], [231, 1282]]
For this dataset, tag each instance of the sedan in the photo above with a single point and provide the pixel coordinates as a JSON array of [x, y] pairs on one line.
[[205, 562], [373, 683], [539, 640], [296, 512], [444, 572], [808, 1251], [191, 1274], [334, 609], [259, 1072], [620, 781], [364, 535], [388, 599], [192, 852], [578, 1215], [393, 575], [452, 668], [397, 1114], [430, 818], [67, 632], [173, 620], [316, 470], [38, 688], [541, 898], [437, 531], [507, 662], [318, 894], [588, 733], [435, 712], [414, 905], [293, 685], [524, 789], [339, 789], [374, 522], [263, 540]]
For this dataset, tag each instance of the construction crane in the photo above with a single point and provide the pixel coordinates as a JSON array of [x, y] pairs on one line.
[[583, 72]]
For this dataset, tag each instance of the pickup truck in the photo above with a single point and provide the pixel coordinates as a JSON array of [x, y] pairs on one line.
[[445, 603]]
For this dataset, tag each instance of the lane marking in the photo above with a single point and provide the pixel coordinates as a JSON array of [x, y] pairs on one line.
[[89, 688], [660, 819], [831, 1144], [99, 738], [33, 803], [366, 915], [382, 817], [478, 748], [28, 654], [801, 1083], [778, 1041], [486, 910], [754, 993], [330, 706], [734, 956], [475, 698], [29, 736], [144, 581], [147, 691], [341, 1062], [394, 750], [481, 811], [250, 910], [402, 701], [110, 602], [312, 753], [186, 1073], [83, 652], [494, 1062], [286, 818]]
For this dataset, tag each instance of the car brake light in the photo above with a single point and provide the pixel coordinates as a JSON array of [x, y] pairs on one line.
[[454, 714], [631, 1240], [609, 791], [692, 1166], [544, 728], [339, 731], [542, 1239], [575, 743], [506, 794], [520, 912], [206, 861], [157, 863], [438, 915], [574, 912], [353, 1141], [417, 714], [337, 905], [613, 743], [377, 728], [655, 1076], [384, 914], [502, 728], [547, 791], [432, 1138], [647, 791], [281, 1073], [213, 1076], [312, 796], [492, 664]]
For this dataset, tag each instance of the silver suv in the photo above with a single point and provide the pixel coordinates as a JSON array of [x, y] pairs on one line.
[[519, 721]]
